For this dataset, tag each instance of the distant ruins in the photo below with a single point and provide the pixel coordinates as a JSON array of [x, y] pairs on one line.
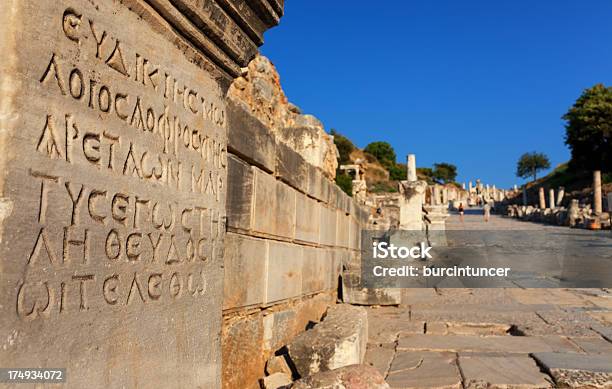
[[558, 209]]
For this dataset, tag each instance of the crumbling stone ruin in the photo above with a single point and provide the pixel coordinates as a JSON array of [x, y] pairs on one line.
[[558, 209], [291, 230]]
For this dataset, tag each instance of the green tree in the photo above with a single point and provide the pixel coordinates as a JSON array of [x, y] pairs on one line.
[[588, 131], [530, 164], [444, 172], [345, 182], [344, 145], [383, 152], [397, 172]]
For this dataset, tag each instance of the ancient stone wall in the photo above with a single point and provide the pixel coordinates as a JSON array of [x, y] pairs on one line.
[[113, 183], [290, 229]]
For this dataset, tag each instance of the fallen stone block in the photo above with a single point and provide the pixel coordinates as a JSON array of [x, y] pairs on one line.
[[349, 377], [502, 372], [278, 364], [571, 370], [276, 381], [339, 340]]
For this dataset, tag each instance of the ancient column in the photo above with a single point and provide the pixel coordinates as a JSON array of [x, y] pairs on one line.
[[463, 186], [411, 168], [597, 196], [560, 195], [470, 186], [542, 198], [113, 129], [551, 198], [525, 196], [444, 195], [515, 188], [610, 202]]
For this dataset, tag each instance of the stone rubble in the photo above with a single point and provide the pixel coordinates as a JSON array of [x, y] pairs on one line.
[[337, 341], [348, 377]]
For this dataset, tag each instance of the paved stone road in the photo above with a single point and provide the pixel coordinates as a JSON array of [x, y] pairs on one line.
[[494, 338]]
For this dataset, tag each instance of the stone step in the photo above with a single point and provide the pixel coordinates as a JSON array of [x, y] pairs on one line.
[[576, 370], [422, 369], [502, 372], [473, 343]]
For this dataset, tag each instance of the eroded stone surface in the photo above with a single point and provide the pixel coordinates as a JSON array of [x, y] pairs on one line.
[[339, 340], [278, 364], [380, 356], [506, 344], [424, 370], [276, 381], [113, 181], [577, 371], [518, 372], [349, 377]]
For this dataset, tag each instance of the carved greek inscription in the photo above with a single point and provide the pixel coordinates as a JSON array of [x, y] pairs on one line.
[[128, 179]]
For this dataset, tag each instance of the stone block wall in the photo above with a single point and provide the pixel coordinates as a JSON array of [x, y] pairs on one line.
[[290, 230]]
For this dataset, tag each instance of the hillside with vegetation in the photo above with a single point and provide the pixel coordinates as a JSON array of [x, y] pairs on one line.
[[382, 171]]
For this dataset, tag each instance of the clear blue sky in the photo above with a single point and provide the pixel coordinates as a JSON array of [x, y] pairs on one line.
[[475, 83]]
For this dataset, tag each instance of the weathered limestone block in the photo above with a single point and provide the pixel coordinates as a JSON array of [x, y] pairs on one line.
[[318, 186], [342, 229], [349, 377], [281, 326], [113, 127], [308, 213], [259, 90], [276, 381], [274, 206], [339, 340], [278, 364], [354, 293], [328, 226], [245, 266], [285, 210], [264, 203], [313, 143], [249, 138], [316, 267], [291, 167], [240, 189], [243, 352], [354, 234], [284, 277]]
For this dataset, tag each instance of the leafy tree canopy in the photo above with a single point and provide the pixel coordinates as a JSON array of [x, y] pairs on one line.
[[344, 145], [383, 152], [589, 129], [397, 172], [444, 172], [345, 182], [530, 164]]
